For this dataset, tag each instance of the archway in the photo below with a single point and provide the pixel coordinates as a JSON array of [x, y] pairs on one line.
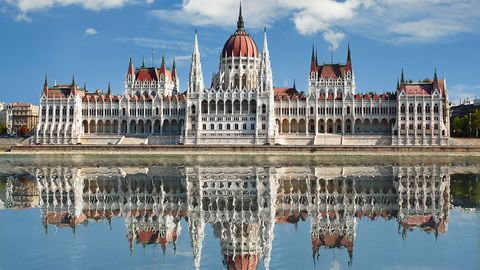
[[132, 127], [311, 126], [285, 126], [338, 126], [302, 126], [329, 126], [156, 127], [92, 127], [85, 126], [321, 126], [293, 126]]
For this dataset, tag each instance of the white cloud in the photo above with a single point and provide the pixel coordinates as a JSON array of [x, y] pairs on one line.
[[334, 38], [406, 21], [90, 32], [28, 6]]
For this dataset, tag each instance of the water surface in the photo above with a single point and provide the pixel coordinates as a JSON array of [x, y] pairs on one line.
[[188, 212]]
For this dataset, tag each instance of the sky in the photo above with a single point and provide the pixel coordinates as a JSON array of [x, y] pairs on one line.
[[94, 39]]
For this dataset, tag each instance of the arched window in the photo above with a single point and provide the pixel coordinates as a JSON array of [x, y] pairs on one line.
[[419, 108], [311, 110], [435, 108], [348, 109], [264, 108], [402, 108], [123, 111], [192, 109]]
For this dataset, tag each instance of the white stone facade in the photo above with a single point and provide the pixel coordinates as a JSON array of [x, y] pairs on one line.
[[243, 108]]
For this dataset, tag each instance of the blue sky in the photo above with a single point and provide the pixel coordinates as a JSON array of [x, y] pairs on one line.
[[94, 39]]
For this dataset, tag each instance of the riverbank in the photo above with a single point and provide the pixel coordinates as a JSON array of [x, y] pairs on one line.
[[456, 150]]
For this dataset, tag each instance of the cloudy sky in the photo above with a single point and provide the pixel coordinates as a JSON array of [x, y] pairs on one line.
[[94, 39]]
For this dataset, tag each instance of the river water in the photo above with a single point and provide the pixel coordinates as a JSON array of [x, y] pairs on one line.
[[231, 212]]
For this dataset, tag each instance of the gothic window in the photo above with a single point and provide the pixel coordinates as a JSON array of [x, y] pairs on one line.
[[419, 108], [192, 109], [402, 108], [236, 81], [435, 108], [264, 108], [410, 108]]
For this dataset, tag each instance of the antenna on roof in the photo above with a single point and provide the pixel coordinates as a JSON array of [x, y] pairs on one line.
[[153, 53]]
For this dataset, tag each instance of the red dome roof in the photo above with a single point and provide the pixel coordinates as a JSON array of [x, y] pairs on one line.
[[240, 43]]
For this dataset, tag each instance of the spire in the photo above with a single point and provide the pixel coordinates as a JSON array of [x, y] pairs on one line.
[[402, 78], [398, 84], [73, 86], [265, 42], [174, 70], [45, 85], [313, 64], [85, 86], [294, 87], [195, 44], [240, 23], [265, 67], [316, 57], [130, 67], [195, 82], [109, 90], [435, 78], [349, 60], [143, 60], [163, 58]]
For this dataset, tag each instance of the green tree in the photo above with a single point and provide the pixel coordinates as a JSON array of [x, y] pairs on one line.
[[476, 123], [457, 126], [3, 129]]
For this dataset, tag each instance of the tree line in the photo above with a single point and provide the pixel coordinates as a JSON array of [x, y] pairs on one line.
[[467, 125]]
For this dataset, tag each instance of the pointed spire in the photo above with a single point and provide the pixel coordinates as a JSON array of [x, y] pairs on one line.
[[402, 78], [109, 90], [45, 86], [398, 84], [174, 70], [316, 57], [85, 86], [265, 42], [435, 78], [349, 59], [240, 23], [313, 63], [163, 58], [294, 86], [73, 79], [131, 70], [143, 60], [195, 44]]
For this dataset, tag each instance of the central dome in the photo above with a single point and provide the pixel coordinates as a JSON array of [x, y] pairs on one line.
[[240, 43]]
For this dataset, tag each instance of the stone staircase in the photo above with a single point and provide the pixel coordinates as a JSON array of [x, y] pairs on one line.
[[133, 141]]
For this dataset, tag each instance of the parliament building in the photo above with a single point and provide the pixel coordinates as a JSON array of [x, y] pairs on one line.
[[242, 107]]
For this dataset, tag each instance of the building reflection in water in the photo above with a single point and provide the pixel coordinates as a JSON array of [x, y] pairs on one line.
[[243, 204]]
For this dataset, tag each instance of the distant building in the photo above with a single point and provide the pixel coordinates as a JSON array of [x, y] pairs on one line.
[[24, 114], [6, 116], [464, 108]]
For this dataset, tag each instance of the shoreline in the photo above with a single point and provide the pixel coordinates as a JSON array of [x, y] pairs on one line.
[[264, 150]]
